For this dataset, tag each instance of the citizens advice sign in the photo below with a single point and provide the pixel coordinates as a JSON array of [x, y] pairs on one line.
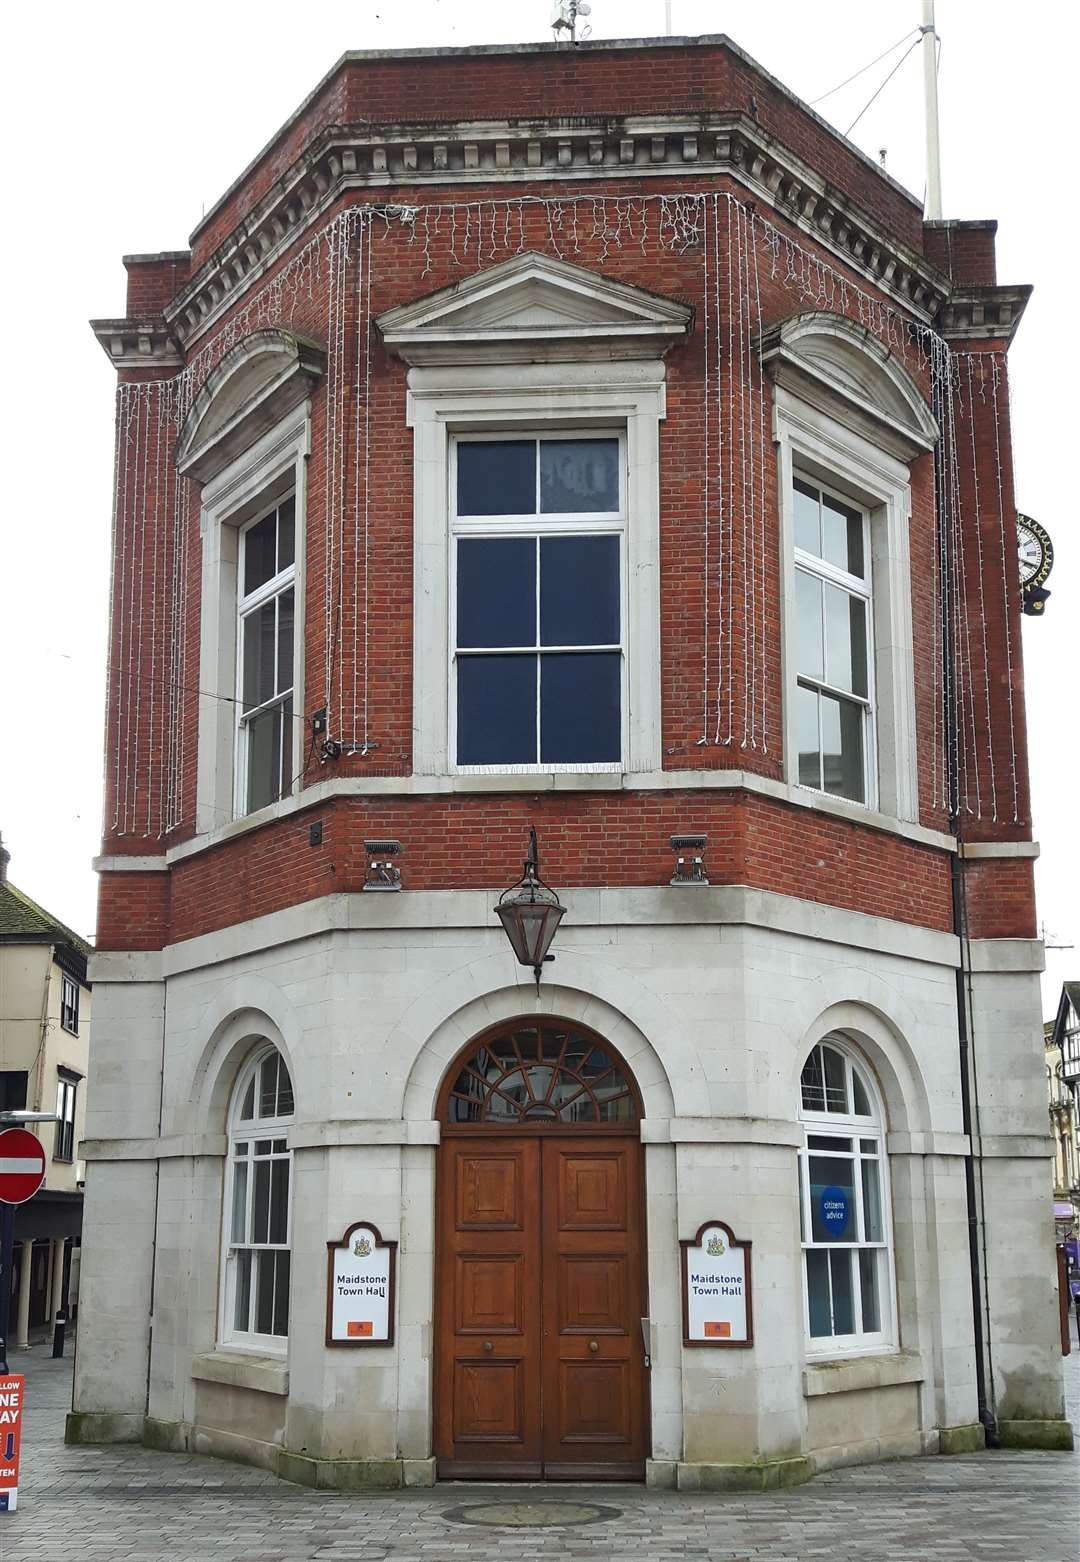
[[716, 1288], [360, 1288]]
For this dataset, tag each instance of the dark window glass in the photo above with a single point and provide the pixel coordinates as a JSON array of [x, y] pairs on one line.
[[579, 476], [286, 547], [817, 1290], [843, 1300], [264, 751], [264, 1292], [13, 1089], [826, 1173], [841, 535], [260, 553], [842, 748], [580, 717], [242, 1310], [496, 591], [281, 1293], [260, 655], [285, 640], [496, 710], [496, 477], [579, 591]]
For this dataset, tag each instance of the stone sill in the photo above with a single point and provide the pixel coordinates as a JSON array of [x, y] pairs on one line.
[[238, 1369], [862, 1372]]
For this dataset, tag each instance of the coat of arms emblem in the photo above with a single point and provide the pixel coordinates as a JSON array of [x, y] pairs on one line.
[[716, 1246], [362, 1247]]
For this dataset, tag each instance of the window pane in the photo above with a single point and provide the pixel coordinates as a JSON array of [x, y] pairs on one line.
[[264, 758], [579, 475], [813, 1084], [239, 1201], [242, 1303], [496, 591], [579, 591], [845, 635], [834, 1144], [496, 477], [842, 535], [496, 710], [247, 1110], [281, 1293], [807, 739], [871, 1191], [259, 655], [817, 1293], [843, 1299], [285, 642], [807, 534], [862, 1100], [835, 1080], [268, 1086], [810, 658], [286, 770], [264, 1292], [260, 1203], [580, 708], [279, 1201], [832, 1199], [841, 741], [869, 1266], [286, 542], [285, 1090], [260, 548]]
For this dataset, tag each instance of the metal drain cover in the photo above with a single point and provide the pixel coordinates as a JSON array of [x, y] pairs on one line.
[[531, 1515]]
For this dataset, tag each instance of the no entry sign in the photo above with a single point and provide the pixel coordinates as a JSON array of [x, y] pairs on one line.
[[22, 1166]]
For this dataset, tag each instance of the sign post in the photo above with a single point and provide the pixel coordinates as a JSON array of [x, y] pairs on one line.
[[22, 1171]]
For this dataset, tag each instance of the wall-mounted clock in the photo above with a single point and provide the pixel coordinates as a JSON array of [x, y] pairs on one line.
[[1036, 554]]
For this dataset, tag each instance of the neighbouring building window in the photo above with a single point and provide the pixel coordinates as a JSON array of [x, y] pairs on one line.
[[538, 614], [266, 608], [844, 1207], [255, 1303], [13, 1089], [69, 1004], [67, 1084], [834, 710]]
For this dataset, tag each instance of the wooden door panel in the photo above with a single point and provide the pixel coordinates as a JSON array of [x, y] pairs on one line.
[[592, 1192], [593, 1293], [594, 1403], [489, 1293], [489, 1402], [489, 1191]]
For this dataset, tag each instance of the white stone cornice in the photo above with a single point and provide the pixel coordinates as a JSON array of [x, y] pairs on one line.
[[138, 344], [983, 314], [692, 149]]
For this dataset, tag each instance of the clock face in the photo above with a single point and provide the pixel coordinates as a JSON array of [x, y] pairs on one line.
[[1035, 549]]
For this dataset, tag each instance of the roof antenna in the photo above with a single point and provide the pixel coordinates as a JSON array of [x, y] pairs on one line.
[[564, 15], [933, 141]]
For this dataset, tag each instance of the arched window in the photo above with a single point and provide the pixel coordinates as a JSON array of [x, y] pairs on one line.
[[552, 1072], [255, 1292], [844, 1206]]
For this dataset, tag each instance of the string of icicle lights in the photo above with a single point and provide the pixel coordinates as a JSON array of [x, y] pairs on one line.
[[153, 683]]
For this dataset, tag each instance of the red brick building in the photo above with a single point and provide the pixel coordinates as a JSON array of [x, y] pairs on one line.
[[587, 438]]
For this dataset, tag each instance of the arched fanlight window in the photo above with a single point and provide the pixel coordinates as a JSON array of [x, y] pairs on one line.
[[844, 1206], [255, 1290], [541, 1072]]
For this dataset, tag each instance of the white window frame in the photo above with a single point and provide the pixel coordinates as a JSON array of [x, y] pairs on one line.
[[246, 604], [69, 984], [594, 524], [267, 471], [67, 1095], [537, 399], [821, 569], [846, 1125], [247, 1132], [837, 457]]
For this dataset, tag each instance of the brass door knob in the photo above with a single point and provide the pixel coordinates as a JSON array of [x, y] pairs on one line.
[[593, 1345], [487, 1344]]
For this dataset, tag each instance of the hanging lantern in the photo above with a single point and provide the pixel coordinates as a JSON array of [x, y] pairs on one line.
[[530, 913]]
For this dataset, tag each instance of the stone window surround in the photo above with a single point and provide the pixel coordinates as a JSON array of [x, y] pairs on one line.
[[812, 440], [268, 470], [541, 398]]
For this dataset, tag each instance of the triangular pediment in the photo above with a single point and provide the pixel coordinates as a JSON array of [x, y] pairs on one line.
[[534, 307]]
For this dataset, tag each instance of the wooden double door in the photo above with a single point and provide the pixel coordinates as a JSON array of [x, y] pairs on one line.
[[540, 1291]]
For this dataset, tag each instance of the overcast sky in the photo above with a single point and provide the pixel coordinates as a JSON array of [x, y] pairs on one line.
[[123, 122]]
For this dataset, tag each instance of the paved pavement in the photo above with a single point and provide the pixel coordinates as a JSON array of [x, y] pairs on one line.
[[132, 1505]]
